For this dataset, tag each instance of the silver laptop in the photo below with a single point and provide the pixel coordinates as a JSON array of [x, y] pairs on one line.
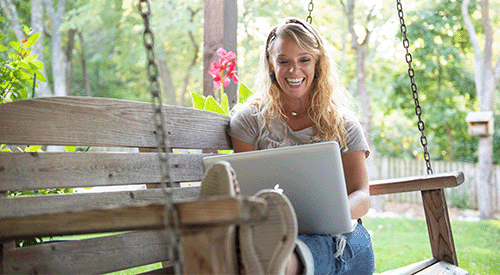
[[311, 176]]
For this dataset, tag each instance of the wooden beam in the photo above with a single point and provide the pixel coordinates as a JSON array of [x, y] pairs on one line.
[[47, 204], [411, 269], [90, 121], [89, 256], [220, 30], [409, 184], [203, 212], [69, 170], [443, 268], [438, 226]]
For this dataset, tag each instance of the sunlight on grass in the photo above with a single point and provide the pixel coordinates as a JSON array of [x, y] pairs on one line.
[[137, 270], [400, 242]]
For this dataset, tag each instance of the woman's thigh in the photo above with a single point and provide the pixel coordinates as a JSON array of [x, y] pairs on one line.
[[357, 257]]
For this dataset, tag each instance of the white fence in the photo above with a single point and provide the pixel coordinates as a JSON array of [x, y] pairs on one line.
[[463, 196]]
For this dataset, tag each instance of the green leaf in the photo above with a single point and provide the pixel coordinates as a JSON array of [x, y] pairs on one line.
[[24, 65], [16, 45], [243, 93], [26, 30], [31, 40], [225, 104], [212, 106], [38, 64], [32, 66], [40, 77], [32, 148], [70, 148], [3, 48], [198, 101], [30, 59]]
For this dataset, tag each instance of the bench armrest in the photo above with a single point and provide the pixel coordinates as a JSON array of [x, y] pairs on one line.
[[420, 183]]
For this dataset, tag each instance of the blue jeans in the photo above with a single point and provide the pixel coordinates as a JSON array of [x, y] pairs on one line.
[[357, 256]]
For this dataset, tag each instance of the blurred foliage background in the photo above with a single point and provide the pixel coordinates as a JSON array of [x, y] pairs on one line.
[[103, 46]]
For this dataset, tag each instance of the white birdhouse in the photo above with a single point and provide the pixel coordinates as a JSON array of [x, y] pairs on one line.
[[480, 123]]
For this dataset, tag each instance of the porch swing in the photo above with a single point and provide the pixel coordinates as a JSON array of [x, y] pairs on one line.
[[204, 228]]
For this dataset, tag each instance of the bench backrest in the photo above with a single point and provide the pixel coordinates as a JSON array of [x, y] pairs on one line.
[[95, 122]]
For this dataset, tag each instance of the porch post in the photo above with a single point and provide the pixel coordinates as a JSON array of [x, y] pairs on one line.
[[221, 19]]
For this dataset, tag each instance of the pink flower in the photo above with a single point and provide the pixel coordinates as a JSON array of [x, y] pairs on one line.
[[215, 68], [226, 82], [227, 62], [24, 41], [221, 52]]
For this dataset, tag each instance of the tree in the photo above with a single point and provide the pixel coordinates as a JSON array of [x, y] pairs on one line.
[[439, 49], [37, 12], [11, 12], [57, 53], [486, 79]]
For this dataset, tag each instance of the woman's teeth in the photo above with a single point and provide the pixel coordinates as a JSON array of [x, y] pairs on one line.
[[294, 81]]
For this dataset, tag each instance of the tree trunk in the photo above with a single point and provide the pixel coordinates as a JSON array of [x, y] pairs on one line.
[[10, 12], [85, 76], [486, 78], [447, 127], [69, 60], [193, 63], [58, 63], [166, 77], [37, 48], [196, 49], [361, 51]]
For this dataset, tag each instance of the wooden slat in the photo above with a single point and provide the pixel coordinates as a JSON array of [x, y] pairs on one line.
[[438, 226], [409, 184], [211, 211], [28, 171], [443, 268], [411, 269], [90, 121], [48, 204], [89, 256]]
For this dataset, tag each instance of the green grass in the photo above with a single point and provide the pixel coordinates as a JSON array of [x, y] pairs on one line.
[[400, 242]]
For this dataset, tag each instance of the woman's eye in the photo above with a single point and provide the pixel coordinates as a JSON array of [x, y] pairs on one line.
[[281, 61], [305, 60]]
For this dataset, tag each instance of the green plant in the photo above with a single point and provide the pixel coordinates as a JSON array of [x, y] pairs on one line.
[[20, 68], [210, 104]]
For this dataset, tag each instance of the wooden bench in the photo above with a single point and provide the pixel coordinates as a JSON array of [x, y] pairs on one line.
[[138, 215]]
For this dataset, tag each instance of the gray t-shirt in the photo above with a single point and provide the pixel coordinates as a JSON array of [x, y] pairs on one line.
[[248, 126]]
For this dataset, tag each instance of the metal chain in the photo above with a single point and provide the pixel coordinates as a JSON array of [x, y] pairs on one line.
[[411, 73], [164, 149], [310, 8]]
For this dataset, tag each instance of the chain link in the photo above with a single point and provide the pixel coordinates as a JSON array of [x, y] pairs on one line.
[[411, 74], [171, 217], [310, 8]]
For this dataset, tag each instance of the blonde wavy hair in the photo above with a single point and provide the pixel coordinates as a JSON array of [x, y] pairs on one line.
[[330, 102]]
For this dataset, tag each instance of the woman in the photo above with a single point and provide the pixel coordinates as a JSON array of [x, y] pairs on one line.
[[300, 101]]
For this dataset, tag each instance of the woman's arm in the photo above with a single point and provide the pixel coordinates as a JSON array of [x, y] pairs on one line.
[[356, 178], [241, 146]]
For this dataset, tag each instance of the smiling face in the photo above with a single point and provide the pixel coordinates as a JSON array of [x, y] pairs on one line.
[[293, 66]]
